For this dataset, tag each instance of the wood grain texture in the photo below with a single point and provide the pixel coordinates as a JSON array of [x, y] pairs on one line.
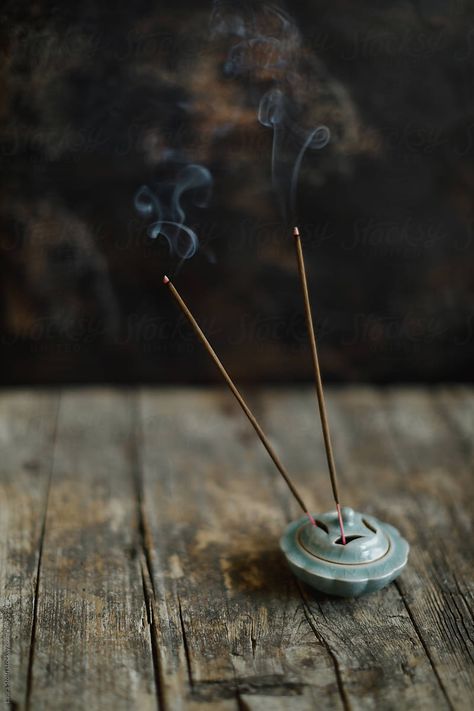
[[140, 565], [27, 429], [92, 646]]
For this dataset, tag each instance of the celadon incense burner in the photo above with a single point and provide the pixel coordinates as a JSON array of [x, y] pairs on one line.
[[374, 554]]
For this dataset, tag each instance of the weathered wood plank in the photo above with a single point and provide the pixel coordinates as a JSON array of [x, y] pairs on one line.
[[27, 425], [439, 586], [457, 406], [160, 580], [92, 646], [214, 522], [381, 661]]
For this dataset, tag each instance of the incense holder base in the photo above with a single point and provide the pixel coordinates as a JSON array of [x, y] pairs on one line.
[[374, 554]]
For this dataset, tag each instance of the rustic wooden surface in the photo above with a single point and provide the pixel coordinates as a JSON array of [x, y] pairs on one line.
[[139, 551]]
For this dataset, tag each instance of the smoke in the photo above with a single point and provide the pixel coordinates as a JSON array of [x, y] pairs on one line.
[[290, 143], [266, 52], [164, 204], [269, 53]]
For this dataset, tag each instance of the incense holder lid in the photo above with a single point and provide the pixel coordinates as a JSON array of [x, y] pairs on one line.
[[374, 553]]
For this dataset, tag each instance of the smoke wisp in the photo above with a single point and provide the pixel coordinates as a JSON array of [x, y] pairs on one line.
[[268, 52], [164, 204]]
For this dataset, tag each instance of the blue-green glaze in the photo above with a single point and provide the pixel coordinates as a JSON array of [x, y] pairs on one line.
[[374, 555]]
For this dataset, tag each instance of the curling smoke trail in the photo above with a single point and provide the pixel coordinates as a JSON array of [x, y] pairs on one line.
[[164, 203], [268, 50]]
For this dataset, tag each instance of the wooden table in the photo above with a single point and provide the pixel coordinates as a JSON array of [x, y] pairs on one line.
[[139, 551]]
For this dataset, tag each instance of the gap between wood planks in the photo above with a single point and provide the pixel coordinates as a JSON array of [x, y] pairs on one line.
[[146, 562], [29, 677]]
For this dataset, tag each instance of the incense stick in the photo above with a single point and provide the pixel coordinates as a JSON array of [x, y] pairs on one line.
[[317, 378], [263, 438]]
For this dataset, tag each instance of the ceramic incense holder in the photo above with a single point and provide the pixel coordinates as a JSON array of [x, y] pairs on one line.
[[374, 554]]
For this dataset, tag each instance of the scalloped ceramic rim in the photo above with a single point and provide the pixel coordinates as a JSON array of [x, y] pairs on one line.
[[311, 568]]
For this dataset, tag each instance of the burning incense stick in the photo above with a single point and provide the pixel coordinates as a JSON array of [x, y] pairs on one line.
[[317, 377], [237, 395]]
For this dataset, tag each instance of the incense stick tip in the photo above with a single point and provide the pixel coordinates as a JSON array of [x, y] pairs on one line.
[[296, 232], [166, 280]]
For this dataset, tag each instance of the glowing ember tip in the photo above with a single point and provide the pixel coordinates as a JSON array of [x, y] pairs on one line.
[[166, 280], [296, 232]]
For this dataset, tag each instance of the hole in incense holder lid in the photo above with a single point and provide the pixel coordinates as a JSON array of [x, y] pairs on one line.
[[348, 539], [366, 540]]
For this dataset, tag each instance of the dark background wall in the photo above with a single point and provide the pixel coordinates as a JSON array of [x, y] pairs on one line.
[[99, 99]]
